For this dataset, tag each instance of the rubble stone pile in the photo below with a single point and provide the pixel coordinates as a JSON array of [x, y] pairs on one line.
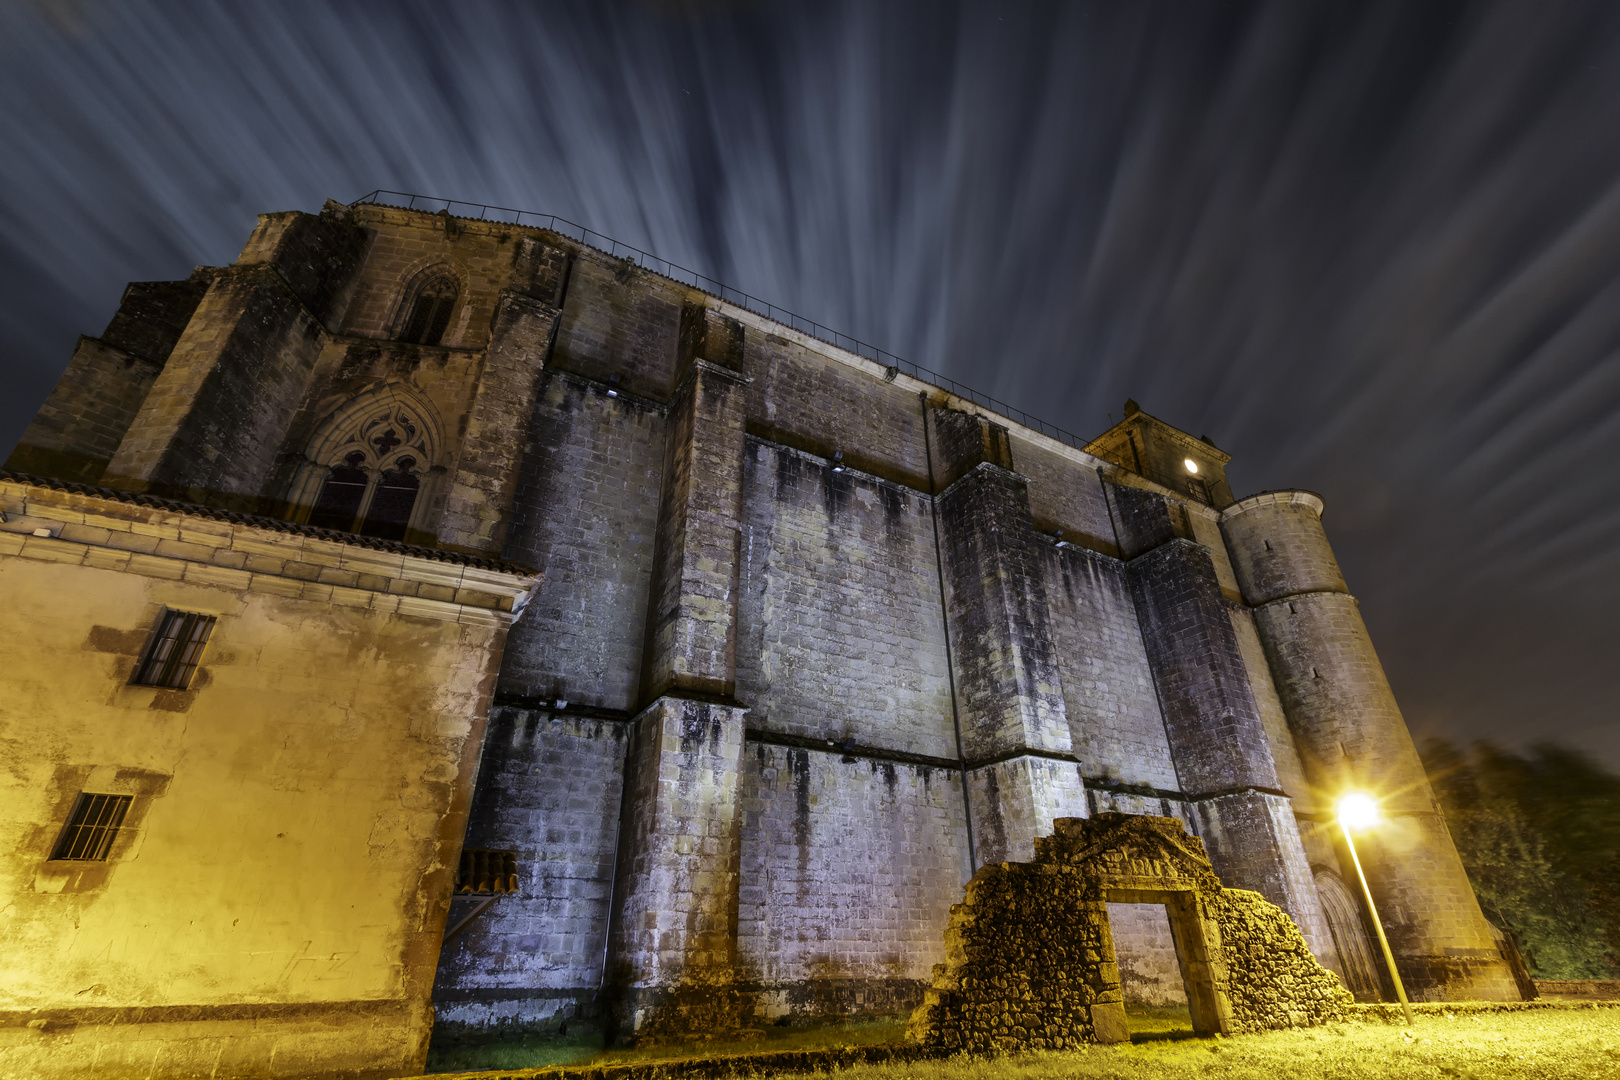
[[1273, 980], [1030, 962]]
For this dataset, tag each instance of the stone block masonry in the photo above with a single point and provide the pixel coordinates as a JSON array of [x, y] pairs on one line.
[[549, 789], [840, 626], [586, 515], [848, 870], [817, 640]]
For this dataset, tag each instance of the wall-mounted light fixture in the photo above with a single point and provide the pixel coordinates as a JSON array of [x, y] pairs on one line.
[[613, 385], [1192, 466], [1061, 543], [838, 461]]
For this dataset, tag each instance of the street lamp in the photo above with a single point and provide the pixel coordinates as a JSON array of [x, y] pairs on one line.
[[1358, 811]]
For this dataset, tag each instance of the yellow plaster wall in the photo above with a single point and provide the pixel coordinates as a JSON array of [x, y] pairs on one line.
[[296, 813]]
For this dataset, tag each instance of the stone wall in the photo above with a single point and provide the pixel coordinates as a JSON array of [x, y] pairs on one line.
[[549, 789], [841, 631], [1113, 710], [1275, 982], [849, 869], [585, 515]]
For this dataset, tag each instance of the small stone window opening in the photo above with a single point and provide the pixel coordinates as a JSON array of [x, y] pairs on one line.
[[430, 312], [92, 827], [1198, 490], [485, 872], [171, 660]]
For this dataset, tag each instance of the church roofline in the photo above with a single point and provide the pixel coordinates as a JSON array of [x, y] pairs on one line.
[[256, 521]]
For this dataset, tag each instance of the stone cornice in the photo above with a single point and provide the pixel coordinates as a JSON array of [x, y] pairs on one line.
[[153, 538], [1274, 498]]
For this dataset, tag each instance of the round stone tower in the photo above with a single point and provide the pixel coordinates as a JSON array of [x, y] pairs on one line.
[[1352, 737]]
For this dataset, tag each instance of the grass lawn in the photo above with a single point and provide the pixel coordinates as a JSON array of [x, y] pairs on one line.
[[583, 1046], [1532, 1044], [1541, 1044]]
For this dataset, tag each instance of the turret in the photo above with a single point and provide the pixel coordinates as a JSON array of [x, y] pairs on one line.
[[1352, 737]]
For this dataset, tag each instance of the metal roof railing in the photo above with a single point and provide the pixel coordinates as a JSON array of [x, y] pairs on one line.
[[647, 260]]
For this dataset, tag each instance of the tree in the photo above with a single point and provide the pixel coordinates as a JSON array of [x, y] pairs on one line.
[[1540, 838]]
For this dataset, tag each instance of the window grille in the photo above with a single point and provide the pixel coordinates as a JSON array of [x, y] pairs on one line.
[[175, 650], [92, 827], [486, 872]]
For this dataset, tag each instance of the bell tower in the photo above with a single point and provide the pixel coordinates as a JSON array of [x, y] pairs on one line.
[[1149, 447]]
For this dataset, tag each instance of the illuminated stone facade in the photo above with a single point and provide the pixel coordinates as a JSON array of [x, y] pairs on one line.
[[816, 637]]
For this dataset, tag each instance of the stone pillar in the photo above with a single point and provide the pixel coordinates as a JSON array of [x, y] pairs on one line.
[[214, 418], [484, 478], [1352, 736], [692, 619], [675, 937], [674, 943], [1022, 772], [1217, 738]]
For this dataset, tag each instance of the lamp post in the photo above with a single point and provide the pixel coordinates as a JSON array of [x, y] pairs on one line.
[[1359, 811]]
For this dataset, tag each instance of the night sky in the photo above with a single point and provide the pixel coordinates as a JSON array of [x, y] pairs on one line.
[[1373, 250]]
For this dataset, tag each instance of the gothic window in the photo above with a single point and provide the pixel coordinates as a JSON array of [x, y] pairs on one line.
[[370, 472], [430, 312]]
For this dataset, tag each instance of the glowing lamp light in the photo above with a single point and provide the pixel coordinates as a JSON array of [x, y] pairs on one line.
[[1358, 811], [1192, 466]]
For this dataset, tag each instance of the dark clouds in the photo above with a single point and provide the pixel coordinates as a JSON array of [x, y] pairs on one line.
[[1370, 249]]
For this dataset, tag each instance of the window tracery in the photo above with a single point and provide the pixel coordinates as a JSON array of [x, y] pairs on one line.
[[368, 467]]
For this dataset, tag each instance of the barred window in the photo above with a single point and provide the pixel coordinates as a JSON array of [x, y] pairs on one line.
[[92, 827], [175, 650], [487, 872]]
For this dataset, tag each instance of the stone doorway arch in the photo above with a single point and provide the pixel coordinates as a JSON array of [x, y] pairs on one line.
[[1356, 955], [1030, 952]]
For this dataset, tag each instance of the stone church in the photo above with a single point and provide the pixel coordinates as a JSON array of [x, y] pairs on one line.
[[429, 619]]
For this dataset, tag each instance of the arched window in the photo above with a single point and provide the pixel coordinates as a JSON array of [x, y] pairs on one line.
[[367, 466], [430, 311]]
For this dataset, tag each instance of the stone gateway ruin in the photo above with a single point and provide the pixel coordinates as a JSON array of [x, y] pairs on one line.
[[735, 651], [1031, 963]]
